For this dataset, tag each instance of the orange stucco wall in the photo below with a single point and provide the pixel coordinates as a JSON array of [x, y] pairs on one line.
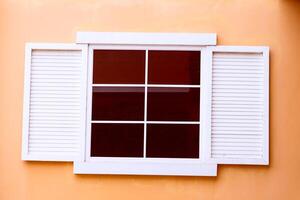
[[237, 22]]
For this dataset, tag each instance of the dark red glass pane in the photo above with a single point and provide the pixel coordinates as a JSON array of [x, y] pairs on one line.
[[172, 141], [174, 67], [173, 104], [118, 103], [119, 66], [117, 140]]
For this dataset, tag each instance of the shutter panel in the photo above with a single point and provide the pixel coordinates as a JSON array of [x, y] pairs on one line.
[[54, 102], [240, 105]]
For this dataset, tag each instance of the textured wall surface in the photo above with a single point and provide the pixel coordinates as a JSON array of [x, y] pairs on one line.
[[275, 23]]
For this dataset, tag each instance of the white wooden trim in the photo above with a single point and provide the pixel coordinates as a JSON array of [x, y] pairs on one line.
[[134, 38], [90, 163], [150, 160], [237, 49], [89, 104], [265, 152], [146, 167], [205, 108], [50, 157], [83, 101], [266, 105], [26, 101], [146, 47], [54, 46]]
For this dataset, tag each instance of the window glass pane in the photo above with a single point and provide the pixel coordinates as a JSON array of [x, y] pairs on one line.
[[173, 104], [174, 67], [118, 103], [117, 140], [172, 141], [119, 66]]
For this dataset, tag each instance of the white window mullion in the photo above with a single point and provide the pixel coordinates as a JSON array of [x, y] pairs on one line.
[[116, 122], [142, 122], [149, 85], [173, 86], [118, 85], [146, 103]]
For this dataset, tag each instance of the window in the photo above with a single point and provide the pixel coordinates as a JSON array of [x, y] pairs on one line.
[[153, 104], [156, 112]]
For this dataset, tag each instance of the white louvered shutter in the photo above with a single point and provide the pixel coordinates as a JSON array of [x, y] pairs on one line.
[[54, 102], [240, 105]]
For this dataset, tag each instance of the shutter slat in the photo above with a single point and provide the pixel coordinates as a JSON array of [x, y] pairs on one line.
[[55, 118], [70, 65], [235, 132], [55, 81], [51, 128], [232, 157], [43, 150], [233, 139], [237, 152], [53, 134], [237, 68]]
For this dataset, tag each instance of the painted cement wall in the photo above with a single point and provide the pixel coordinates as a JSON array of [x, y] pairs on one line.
[[237, 22]]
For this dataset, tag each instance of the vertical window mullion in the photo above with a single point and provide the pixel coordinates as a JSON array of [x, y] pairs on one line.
[[145, 105]]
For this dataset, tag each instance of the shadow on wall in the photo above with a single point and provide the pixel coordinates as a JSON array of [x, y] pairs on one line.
[[45, 167]]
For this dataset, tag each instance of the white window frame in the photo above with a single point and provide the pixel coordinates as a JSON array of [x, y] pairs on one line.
[[148, 166]]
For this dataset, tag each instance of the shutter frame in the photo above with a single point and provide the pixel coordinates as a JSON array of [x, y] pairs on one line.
[[59, 155], [264, 159]]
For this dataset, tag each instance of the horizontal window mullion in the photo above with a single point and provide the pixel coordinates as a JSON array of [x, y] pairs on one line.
[[148, 85], [118, 85], [141, 122], [116, 122], [173, 122], [173, 85]]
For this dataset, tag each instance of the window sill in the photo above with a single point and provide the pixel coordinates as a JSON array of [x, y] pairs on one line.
[[149, 167]]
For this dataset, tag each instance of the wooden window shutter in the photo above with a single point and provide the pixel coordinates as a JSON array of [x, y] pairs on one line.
[[54, 102], [239, 120]]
